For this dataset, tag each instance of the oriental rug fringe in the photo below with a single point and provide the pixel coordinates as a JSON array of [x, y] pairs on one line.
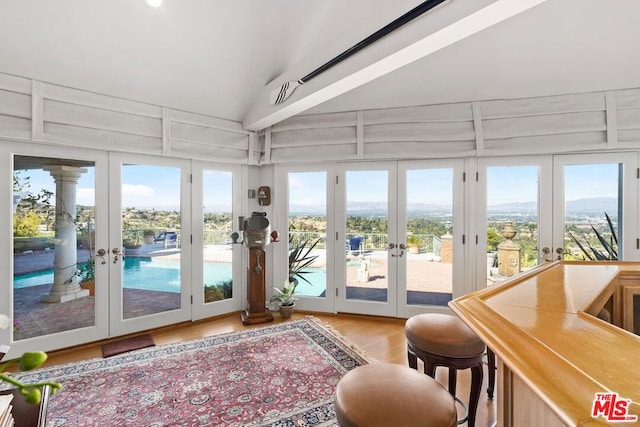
[[279, 375]]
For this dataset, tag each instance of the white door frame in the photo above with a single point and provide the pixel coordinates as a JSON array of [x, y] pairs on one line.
[[281, 250], [118, 325], [397, 216], [458, 230], [551, 200], [545, 210], [200, 309], [388, 308], [75, 336], [629, 197]]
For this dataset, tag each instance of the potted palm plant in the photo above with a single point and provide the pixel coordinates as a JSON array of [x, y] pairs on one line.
[[609, 250], [149, 237], [300, 259], [285, 298]]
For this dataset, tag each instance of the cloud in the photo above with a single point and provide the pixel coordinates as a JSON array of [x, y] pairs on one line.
[[138, 195], [85, 196]]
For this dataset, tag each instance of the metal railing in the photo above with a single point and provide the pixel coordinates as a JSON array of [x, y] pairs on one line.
[[370, 241]]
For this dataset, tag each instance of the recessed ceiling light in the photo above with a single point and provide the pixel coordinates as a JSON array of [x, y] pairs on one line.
[[153, 3]]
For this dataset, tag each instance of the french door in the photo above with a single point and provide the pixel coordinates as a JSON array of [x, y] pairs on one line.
[[149, 222], [102, 244], [595, 207], [310, 227], [57, 296], [216, 267], [559, 207], [401, 225]]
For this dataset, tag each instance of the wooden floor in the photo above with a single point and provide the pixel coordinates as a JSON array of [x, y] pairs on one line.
[[380, 337]]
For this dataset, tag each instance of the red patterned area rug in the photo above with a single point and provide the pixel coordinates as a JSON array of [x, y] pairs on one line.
[[279, 375]]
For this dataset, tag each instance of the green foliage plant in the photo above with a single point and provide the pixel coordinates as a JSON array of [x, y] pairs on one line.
[[415, 241], [28, 361], [131, 244], [300, 258], [285, 296], [220, 291], [609, 251], [87, 270], [26, 225], [32, 392], [493, 238]]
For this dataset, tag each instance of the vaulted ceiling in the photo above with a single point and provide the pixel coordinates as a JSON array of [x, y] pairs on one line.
[[222, 57]]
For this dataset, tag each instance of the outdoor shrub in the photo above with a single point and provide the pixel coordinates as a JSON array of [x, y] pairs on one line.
[[220, 291]]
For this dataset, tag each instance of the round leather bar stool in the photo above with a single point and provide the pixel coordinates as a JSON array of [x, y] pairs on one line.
[[385, 394], [444, 340]]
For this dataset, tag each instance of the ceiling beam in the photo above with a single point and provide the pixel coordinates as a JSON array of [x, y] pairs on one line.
[[404, 46]]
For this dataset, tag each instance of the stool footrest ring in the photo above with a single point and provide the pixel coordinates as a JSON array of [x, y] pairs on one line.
[[466, 410]]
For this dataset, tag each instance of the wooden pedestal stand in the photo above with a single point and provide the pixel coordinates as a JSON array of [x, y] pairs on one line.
[[256, 311]]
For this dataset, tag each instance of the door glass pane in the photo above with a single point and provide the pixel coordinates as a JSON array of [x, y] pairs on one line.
[[308, 232], [593, 211], [151, 239], [429, 254], [512, 207], [53, 242], [218, 226], [367, 235]]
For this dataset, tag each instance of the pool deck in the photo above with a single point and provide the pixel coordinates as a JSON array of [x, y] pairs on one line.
[[37, 318], [39, 261], [426, 279]]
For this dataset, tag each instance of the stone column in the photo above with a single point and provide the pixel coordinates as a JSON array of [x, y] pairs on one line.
[[65, 282], [446, 248], [508, 253]]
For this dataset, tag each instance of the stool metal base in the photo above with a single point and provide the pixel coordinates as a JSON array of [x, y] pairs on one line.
[[432, 361], [491, 368]]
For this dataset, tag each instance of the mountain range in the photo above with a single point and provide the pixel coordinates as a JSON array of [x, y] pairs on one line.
[[590, 206]]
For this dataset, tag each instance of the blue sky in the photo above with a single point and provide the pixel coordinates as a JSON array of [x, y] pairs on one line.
[[146, 187], [520, 183], [158, 186]]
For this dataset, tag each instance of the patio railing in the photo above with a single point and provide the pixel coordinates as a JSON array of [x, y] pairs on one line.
[[370, 241]]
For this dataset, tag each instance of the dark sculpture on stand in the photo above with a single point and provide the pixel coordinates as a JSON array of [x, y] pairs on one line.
[[256, 235]]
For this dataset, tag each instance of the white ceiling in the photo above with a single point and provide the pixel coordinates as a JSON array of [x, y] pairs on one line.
[[215, 56]]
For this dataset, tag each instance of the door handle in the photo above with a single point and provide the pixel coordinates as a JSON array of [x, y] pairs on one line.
[[391, 246], [548, 257], [101, 253], [402, 247], [117, 254]]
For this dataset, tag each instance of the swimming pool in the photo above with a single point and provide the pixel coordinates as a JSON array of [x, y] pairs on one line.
[[161, 274], [155, 274]]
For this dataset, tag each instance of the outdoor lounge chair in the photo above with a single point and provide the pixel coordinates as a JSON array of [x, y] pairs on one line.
[[171, 239], [355, 245]]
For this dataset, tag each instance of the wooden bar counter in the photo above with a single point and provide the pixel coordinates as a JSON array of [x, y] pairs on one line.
[[554, 352]]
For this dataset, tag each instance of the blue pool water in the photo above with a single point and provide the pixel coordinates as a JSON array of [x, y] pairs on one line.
[[158, 274], [318, 286], [155, 274]]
